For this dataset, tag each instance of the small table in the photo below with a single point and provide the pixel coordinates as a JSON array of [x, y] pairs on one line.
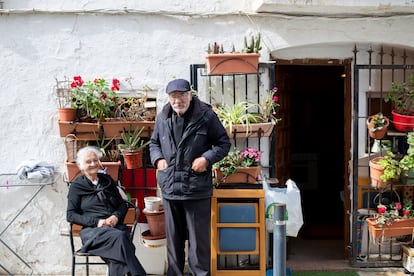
[[10, 180]]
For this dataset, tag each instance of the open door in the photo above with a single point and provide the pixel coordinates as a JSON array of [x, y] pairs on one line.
[[312, 148]]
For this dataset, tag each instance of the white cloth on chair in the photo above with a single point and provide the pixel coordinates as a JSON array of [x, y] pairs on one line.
[[35, 169]]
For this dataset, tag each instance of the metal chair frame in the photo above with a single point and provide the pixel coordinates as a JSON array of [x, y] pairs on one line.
[[131, 220]]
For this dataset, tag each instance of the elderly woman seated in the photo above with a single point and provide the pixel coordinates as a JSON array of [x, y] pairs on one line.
[[95, 203]]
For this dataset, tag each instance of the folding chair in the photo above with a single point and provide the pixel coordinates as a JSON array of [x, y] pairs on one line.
[[131, 220]]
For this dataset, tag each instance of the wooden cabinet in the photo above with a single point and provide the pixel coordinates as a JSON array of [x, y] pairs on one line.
[[238, 232]]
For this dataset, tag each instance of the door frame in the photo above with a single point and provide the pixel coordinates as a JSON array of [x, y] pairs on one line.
[[280, 133]]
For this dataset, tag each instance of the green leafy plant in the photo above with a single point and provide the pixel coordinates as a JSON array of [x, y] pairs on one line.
[[407, 161], [237, 114], [391, 167], [402, 96], [95, 98], [132, 140], [376, 122], [249, 157]]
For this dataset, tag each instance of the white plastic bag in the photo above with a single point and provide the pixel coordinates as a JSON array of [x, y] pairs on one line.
[[289, 196]]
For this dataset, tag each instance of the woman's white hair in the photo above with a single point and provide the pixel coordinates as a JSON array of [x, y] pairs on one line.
[[81, 155]]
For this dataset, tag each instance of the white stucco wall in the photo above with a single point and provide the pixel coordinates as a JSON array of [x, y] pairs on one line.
[[142, 41]]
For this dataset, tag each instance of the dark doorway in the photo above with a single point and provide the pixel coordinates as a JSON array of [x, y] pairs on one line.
[[313, 102]]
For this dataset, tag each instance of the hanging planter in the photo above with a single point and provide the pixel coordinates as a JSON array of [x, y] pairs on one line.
[[242, 175], [114, 127], [244, 62], [398, 227], [377, 125], [253, 130], [232, 63]]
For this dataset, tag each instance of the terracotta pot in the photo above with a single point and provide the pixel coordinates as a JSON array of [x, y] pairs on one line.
[[403, 122], [133, 159], [397, 228], [380, 133], [232, 63], [156, 222], [67, 114], [113, 127], [376, 171], [242, 175]]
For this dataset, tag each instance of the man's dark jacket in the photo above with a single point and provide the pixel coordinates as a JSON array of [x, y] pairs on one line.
[[204, 136]]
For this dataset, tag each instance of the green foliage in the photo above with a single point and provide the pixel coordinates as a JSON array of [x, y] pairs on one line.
[[376, 122], [132, 140], [391, 167], [229, 163], [96, 98], [407, 162], [237, 114], [253, 46], [402, 96]]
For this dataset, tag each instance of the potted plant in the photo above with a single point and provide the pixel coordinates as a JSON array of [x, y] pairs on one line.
[[132, 147], [94, 98], [377, 125], [237, 114], [64, 98], [109, 160], [241, 121], [384, 169], [137, 108], [394, 220], [245, 62], [401, 96], [238, 167]]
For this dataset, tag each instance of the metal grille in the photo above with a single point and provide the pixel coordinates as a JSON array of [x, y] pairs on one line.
[[375, 68]]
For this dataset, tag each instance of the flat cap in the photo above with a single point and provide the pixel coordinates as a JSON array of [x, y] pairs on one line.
[[179, 85]]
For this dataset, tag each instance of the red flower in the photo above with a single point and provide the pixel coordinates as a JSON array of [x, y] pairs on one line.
[[103, 96], [381, 209], [77, 81], [115, 84]]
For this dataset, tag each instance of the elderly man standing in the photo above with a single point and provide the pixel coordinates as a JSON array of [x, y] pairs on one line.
[[188, 138]]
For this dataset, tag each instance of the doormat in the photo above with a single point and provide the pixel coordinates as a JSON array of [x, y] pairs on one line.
[[325, 273]]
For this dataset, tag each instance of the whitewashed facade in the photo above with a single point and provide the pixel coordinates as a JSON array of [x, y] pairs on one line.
[[150, 41]]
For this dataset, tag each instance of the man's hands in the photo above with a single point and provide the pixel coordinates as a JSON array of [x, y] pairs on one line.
[[199, 165]]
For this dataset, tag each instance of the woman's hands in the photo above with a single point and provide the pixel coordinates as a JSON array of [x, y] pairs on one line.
[[112, 221]]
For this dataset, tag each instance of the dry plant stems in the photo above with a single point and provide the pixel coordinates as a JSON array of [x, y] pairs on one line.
[[63, 93]]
